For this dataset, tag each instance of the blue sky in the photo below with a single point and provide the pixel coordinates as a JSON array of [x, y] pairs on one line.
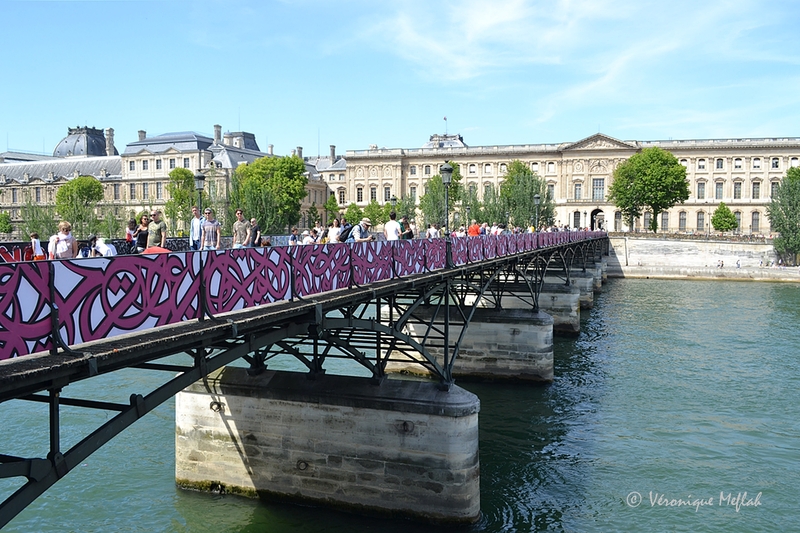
[[313, 73]]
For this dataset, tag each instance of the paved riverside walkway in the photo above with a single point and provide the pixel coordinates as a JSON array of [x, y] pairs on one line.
[[787, 274]]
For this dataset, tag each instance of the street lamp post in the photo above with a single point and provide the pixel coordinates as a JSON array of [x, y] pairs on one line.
[[508, 219], [394, 202], [536, 200], [199, 183], [446, 171], [584, 219], [469, 220]]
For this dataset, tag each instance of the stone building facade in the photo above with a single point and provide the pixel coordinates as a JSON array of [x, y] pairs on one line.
[[742, 173]]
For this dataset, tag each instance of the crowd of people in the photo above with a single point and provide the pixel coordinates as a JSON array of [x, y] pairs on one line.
[[150, 234]]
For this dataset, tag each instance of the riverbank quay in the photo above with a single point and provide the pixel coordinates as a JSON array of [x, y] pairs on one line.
[[791, 275]]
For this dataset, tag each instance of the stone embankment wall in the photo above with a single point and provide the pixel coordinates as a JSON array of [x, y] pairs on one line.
[[639, 257]]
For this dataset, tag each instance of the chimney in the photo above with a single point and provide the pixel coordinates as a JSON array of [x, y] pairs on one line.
[[294, 152], [217, 133], [110, 141], [333, 153], [142, 135], [300, 152], [270, 148]]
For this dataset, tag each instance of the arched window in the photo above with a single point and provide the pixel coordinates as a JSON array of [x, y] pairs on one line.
[[738, 215], [427, 170], [682, 221], [473, 168], [503, 168], [551, 168], [794, 162], [487, 168], [720, 164], [646, 220], [756, 163], [576, 219], [701, 221], [684, 162], [535, 167], [755, 222], [776, 163], [665, 221], [737, 163], [701, 164]]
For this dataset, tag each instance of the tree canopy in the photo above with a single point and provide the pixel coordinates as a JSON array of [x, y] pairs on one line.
[[182, 196], [353, 213], [431, 204], [653, 178], [517, 194], [270, 189], [784, 214], [76, 200], [723, 218]]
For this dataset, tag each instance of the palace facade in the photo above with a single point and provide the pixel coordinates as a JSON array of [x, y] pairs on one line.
[[742, 173]]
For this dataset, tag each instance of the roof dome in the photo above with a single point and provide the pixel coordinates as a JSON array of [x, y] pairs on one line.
[[82, 142]]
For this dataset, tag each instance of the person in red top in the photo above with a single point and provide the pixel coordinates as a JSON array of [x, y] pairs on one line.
[[474, 229]]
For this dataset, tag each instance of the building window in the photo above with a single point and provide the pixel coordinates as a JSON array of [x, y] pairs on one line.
[[387, 194], [185, 162], [412, 170], [145, 165], [794, 162], [487, 188], [646, 220], [116, 191], [684, 163], [427, 170], [665, 221], [756, 190], [487, 168], [701, 164], [413, 193], [551, 168], [342, 197], [718, 190], [682, 221], [373, 194], [701, 190], [360, 194], [757, 163], [776, 163], [503, 168], [341, 177], [551, 191], [472, 169], [773, 189], [172, 163], [720, 164], [598, 189], [578, 187], [13, 196], [737, 190], [701, 221], [535, 167], [737, 163], [159, 190], [158, 164], [576, 219], [755, 222], [145, 191], [131, 165], [738, 215], [133, 191], [38, 195]]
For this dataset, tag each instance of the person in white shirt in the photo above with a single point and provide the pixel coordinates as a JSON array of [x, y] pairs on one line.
[[101, 249], [195, 228], [391, 229], [333, 231]]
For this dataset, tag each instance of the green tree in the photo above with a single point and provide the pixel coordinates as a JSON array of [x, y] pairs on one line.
[[431, 204], [110, 226], [723, 218], [37, 218], [784, 214], [182, 196], [652, 178], [313, 215], [375, 212], [331, 207], [353, 214], [517, 194], [270, 189], [406, 207], [76, 201], [5, 223], [493, 209]]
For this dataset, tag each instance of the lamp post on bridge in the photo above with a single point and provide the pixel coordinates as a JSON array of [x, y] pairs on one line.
[[584, 219], [536, 200], [199, 184], [394, 202], [469, 220], [446, 172]]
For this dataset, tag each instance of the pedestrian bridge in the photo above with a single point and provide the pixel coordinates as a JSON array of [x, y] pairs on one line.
[[71, 320]]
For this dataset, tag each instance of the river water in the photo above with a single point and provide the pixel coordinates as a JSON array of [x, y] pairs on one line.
[[676, 399]]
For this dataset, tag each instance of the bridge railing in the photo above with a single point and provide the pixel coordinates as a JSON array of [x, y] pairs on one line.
[[96, 298]]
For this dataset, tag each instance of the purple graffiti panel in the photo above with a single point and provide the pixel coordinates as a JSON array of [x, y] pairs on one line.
[[372, 261], [435, 253], [502, 245], [475, 248], [460, 250], [321, 267], [103, 297], [236, 279], [409, 256], [24, 309]]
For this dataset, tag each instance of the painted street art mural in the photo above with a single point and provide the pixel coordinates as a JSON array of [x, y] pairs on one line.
[[96, 298]]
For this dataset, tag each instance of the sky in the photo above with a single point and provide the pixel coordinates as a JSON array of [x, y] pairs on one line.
[[315, 73]]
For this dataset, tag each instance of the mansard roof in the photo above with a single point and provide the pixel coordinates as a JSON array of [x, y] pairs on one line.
[[20, 157], [107, 167], [185, 141], [226, 156], [82, 141], [599, 141]]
